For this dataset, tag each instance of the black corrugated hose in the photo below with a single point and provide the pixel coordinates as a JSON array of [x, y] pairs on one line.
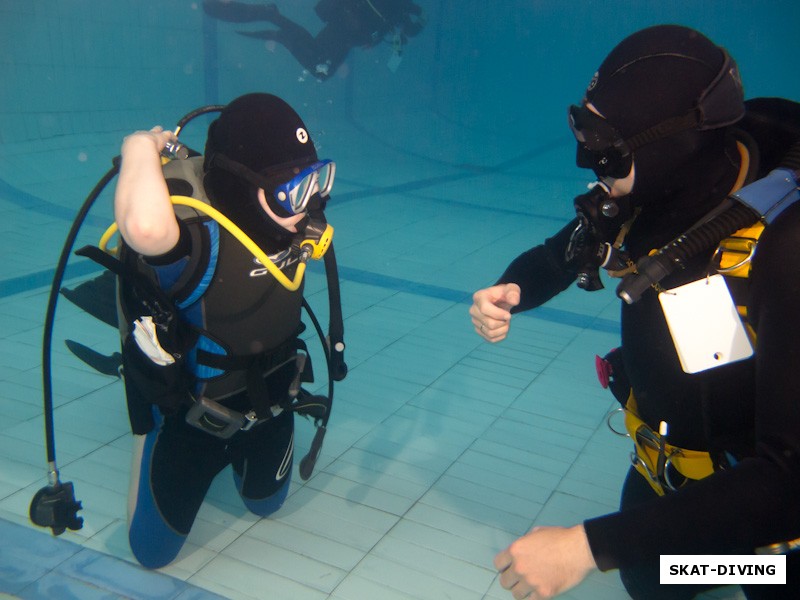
[[727, 219]]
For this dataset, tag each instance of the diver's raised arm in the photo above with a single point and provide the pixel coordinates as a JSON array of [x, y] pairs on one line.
[[142, 206]]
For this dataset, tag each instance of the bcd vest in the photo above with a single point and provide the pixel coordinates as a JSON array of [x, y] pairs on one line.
[[231, 326]]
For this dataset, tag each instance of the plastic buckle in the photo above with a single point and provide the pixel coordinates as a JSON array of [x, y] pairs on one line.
[[250, 419], [215, 419]]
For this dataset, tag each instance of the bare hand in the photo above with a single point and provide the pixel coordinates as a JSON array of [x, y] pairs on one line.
[[142, 206], [545, 562], [491, 310], [139, 140]]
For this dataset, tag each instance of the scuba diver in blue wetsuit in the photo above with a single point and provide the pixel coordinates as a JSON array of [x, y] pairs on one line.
[[216, 381], [695, 187], [348, 24]]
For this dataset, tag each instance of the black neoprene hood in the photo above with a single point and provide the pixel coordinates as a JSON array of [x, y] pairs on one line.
[[262, 134], [660, 73]]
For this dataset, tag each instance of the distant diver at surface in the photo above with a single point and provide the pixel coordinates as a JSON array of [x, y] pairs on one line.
[[348, 24]]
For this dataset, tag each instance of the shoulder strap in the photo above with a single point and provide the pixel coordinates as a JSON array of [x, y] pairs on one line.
[[185, 178], [337, 366]]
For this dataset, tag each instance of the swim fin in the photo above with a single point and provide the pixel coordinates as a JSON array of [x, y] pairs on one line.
[[107, 365], [97, 297]]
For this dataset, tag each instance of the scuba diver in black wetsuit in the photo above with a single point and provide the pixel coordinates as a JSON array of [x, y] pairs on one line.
[[217, 380], [716, 462], [348, 24]]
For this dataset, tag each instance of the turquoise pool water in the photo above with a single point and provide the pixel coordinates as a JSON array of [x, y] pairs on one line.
[[442, 449]]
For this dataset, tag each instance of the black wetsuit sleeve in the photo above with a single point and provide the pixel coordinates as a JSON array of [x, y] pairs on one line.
[[542, 271], [755, 502]]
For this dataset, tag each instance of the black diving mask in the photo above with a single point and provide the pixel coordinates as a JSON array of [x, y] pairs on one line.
[[601, 148]]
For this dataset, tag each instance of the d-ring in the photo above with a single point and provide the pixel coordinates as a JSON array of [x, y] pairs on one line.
[[751, 250], [614, 430]]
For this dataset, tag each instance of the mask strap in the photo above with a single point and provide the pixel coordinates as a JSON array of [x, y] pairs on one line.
[[253, 178], [727, 80], [664, 129]]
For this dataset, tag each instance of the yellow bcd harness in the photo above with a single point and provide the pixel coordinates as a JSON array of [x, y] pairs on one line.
[[653, 457], [667, 467], [664, 466]]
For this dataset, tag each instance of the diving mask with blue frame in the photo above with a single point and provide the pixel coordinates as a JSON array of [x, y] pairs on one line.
[[294, 195], [288, 188]]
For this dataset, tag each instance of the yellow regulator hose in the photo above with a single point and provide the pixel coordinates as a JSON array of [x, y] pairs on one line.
[[236, 232]]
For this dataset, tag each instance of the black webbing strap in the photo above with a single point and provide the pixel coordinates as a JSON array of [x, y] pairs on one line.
[[150, 295], [338, 368], [662, 130], [256, 367]]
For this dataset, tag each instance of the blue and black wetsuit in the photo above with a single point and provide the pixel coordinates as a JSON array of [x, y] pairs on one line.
[[242, 312]]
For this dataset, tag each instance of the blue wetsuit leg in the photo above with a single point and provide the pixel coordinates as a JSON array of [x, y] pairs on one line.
[[176, 467]]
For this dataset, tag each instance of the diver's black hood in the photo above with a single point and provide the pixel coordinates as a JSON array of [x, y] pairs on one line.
[[657, 74], [694, 189], [264, 134]]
